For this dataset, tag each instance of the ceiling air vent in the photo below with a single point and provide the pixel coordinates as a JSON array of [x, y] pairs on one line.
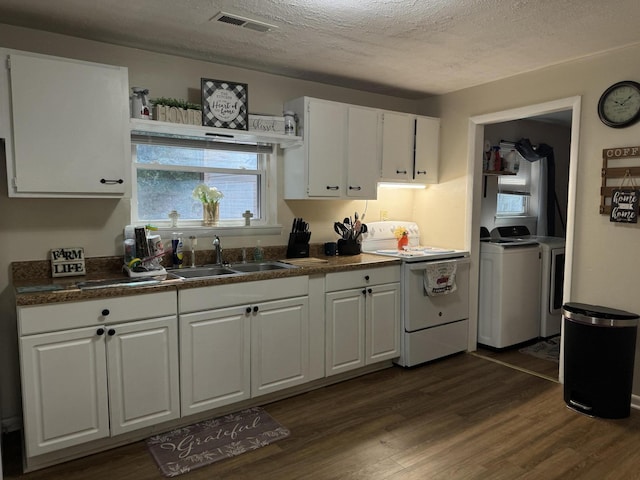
[[238, 21]]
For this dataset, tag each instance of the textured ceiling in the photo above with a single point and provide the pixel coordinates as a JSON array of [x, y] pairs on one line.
[[406, 48]]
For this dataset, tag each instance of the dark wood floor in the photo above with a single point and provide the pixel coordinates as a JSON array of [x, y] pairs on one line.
[[512, 357], [463, 417]]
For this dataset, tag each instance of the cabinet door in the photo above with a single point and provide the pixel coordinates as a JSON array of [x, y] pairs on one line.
[[64, 389], [398, 132], [71, 118], [214, 358], [143, 373], [427, 149], [279, 345], [383, 323], [363, 157], [324, 137], [345, 327]]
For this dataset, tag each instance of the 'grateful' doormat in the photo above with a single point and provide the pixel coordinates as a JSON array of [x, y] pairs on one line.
[[185, 449]]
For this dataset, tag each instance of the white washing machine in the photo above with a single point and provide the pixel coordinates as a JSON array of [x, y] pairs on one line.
[[509, 297], [551, 276]]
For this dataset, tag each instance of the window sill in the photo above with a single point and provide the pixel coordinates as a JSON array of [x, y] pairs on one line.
[[229, 231]]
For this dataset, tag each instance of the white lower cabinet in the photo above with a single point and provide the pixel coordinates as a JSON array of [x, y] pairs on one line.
[[214, 358], [104, 377], [242, 340], [362, 318]]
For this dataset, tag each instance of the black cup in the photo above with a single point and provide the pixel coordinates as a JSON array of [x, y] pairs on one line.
[[330, 249]]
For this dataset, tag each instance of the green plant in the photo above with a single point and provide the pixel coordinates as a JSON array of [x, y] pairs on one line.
[[174, 102]]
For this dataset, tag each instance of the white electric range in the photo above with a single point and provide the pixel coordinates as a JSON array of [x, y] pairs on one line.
[[434, 293]]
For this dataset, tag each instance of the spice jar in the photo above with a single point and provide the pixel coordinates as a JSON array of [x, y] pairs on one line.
[[289, 123]]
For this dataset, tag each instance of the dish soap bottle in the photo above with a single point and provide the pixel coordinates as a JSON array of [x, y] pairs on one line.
[[258, 252]]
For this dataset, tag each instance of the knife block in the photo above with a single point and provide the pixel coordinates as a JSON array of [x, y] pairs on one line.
[[298, 246]]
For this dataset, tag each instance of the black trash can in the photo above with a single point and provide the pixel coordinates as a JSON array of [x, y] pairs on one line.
[[599, 351]]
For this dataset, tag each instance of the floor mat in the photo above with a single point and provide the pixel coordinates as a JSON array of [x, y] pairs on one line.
[[546, 349], [185, 449]]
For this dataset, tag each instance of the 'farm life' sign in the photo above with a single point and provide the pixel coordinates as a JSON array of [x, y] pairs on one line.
[[67, 261]]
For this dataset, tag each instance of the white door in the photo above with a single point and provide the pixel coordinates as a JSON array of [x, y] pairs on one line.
[[143, 373], [363, 157], [427, 149], [398, 132], [64, 389], [325, 141], [279, 345], [383, 323], [73, 117], [214, 358], [345, 327]]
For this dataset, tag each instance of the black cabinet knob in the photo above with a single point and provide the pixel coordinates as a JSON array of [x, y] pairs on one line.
[[369, 290], [105, 312], [111, 332], [100, 331], [255, 309], [248, 310], [366, 277], [364, 291]]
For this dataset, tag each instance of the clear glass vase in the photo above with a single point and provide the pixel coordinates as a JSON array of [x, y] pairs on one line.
[[210, 214]]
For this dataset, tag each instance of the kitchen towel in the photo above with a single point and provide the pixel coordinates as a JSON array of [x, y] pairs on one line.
[[440, 278]]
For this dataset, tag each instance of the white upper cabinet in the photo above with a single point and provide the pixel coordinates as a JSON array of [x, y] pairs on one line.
[[410, 146], [66, 126], [339, 157]]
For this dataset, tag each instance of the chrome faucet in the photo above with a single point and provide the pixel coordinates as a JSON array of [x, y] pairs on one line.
[[218, 247]]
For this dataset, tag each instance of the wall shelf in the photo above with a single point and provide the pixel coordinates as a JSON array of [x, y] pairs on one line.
[[155, 127]]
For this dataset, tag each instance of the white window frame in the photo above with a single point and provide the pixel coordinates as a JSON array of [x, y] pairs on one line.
[[267, 225]]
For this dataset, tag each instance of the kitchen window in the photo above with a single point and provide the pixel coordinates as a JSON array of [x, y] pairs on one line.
[[167, 169]]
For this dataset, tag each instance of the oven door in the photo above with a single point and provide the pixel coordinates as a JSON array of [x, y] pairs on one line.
[[422, 311]]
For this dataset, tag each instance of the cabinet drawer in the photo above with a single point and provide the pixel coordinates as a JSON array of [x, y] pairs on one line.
[[63, 316], [359, 278], [207, 298]]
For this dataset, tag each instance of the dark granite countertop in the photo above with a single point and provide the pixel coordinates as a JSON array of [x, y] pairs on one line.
[[33, 284]]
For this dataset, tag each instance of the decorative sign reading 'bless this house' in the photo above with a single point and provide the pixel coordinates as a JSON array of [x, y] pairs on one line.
[[67, 261]]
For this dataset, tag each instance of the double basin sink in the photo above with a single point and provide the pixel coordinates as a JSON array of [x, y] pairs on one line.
[[211, 271], [187, 273]]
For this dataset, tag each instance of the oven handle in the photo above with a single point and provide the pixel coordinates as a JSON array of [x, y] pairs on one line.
[[423, 265]]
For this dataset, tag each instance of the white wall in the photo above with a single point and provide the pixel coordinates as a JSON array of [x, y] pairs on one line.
[[30, 227], [606, 256]]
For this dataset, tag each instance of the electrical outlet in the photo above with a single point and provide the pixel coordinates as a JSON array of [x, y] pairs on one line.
[[384, 215]]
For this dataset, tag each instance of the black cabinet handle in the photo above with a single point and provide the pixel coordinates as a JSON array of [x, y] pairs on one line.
[[100, 331], [106, 181], [105, 312], [354, 188], [404, 172], [255, 309], [369, 290], [248, 310], [364, 291], [366, 277], [421, 172], [111, 332], [329, 187]]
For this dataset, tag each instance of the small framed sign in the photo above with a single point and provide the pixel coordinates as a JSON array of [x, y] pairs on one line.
[[624, 205], [225, 104], [67, 261]]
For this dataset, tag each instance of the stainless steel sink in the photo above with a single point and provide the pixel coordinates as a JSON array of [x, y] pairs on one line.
[[117, 283], [202, 272], [261, 267]]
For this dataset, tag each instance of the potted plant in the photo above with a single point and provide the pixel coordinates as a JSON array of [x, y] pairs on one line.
[[175, 110], [210, 198]]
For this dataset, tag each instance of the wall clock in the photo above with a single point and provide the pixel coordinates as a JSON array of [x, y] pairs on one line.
[[619, 105]]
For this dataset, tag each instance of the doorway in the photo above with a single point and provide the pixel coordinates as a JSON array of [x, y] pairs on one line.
[[568, 107]]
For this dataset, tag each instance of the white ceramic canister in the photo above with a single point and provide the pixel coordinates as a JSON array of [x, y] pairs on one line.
[[289, 123]]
